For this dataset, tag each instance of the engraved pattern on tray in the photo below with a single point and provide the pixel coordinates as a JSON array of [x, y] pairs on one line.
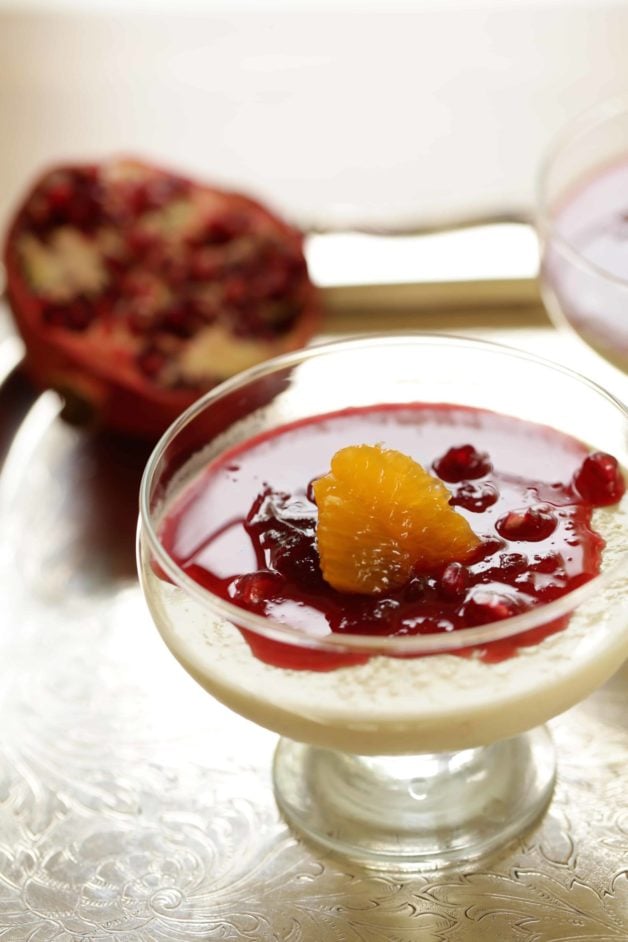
[[133, 807]]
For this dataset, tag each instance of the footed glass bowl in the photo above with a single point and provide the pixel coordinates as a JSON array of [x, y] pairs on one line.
[[403, 753]]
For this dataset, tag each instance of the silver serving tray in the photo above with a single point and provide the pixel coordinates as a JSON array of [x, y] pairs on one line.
[[133, 807]]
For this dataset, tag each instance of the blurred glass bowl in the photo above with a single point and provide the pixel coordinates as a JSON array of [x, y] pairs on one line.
[[583, 229]]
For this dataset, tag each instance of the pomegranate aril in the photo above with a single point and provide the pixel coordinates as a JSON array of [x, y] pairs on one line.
[[531, 524], [140, 319], [384, 610], [80, 314], [179, 319], [380, 617], [151, 362], [206, 308], [81, 212], [295, 263], [549, 590], [507, 568], [225, 227], [254, 589], [69, 198], [454, 581], [138, 284], [599, 480], [488, 546], [274, 278], [235, 291], [548, 563], [486, 606], [294, 556], [36, 214], [141, 242], [84, 209], [512, 563], [75, 315], [206, 264], [276, 509], [462, 463], [59, 192], [116, 265], [131, 198], [174, 269], [53, 314], [475, 497]]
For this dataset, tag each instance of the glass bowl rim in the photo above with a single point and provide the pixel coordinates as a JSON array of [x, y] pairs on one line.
[[578, 127], [356, 643]]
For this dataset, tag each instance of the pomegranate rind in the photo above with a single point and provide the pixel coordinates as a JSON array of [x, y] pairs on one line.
[[98, 364], [381, 518]]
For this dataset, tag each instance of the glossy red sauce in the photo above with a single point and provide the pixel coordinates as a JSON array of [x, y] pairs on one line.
[[245, 528]]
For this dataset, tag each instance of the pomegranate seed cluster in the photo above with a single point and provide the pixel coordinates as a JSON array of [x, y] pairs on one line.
[[154, 260]]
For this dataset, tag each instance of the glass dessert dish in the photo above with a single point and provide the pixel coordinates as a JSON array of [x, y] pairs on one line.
[[423, 748], [583, 230]]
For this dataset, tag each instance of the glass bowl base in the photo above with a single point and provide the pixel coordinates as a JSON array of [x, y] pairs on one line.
[[415, 813]]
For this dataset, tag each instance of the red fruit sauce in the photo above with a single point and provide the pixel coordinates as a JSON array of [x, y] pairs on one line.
[[245, 528]]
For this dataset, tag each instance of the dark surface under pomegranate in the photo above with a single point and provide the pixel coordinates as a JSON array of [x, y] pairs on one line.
[[136, 290]]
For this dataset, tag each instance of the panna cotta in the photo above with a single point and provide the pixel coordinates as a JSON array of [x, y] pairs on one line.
[[548, 517]]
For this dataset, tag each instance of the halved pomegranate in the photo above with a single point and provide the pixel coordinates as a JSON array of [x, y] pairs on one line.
[[136, 290]]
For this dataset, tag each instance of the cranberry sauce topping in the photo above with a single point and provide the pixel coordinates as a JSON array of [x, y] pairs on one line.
[[246, 528]]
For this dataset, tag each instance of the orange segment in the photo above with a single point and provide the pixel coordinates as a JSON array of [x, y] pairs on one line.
[[381, 516]]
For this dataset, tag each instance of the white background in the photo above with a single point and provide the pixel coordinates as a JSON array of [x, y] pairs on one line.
[[386, 112]]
